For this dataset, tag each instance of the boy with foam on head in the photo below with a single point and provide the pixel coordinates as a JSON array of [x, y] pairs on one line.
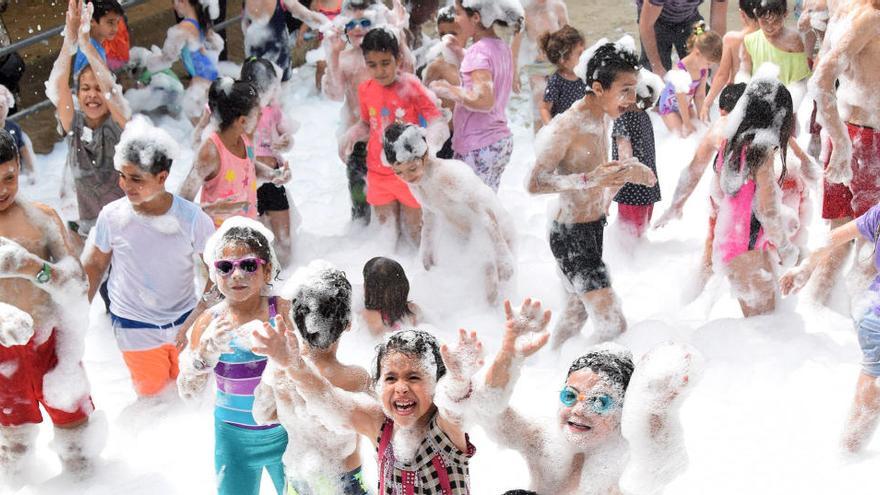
[[22, 141], [103, 27], [450, 193], [41, 285], [152, 301], [572, 161], [321, 458], [389, 97]]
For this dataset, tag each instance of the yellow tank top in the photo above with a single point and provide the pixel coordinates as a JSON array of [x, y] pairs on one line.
[[793, 67]]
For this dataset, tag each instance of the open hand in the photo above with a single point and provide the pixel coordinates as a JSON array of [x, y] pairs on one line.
[[525, 332], [85, 23], [794, 280], [467, 357], [278, 344], [218, 337], [637, 173]]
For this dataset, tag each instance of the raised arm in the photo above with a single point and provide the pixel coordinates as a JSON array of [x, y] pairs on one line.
[[57, 87], [205, 166], [333, 84], [648, 17], [311, 18], [119, 109]]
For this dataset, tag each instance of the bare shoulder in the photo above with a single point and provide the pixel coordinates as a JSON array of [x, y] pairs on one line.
[[733, 38], [355, 379], [45, 217]]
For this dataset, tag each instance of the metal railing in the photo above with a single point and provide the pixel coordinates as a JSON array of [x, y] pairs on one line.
[[45, 35]]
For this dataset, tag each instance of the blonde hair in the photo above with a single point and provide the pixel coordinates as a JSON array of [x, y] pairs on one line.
[[709, 43]]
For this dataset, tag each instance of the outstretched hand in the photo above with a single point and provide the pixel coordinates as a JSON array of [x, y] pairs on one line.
[[673, 213], [467, 357], [278, 344], [85, 23], [794, 280], [72, 21], [525, 332]]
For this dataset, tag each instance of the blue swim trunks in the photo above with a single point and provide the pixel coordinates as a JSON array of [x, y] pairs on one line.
[[869, 341]]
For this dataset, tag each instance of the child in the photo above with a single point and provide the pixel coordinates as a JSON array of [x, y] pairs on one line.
[[445, 66], [482, 138], [265, 33], [93, 131], [118, 48], [152, 302], [687, 84], [103, 27], [195, 43], [571, 160], [563, 49], [416, 440], [451, 195], [25, 149], [37, 263], [386, 98], [386, 298], [583, 449], [224, 168], [865, 410], [633, 137], [542, 17], [732, 45], [243, 265], [749, 225], [321, 460], [776, 43], [274, 136]]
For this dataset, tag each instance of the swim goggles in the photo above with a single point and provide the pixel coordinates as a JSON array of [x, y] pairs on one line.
[[364, 23], [600, 404], [248, 265]]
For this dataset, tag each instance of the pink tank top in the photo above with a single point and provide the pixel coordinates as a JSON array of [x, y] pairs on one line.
[[235, 184], [265, 133], [737, 230]]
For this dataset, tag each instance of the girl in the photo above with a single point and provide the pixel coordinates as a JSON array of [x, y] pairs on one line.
[[225, 169], [274, 136], [482, 138], [422, 449], [386, 293], [243, 265], [264, 26], [748, 223], [687, 84], [564, 88], [866, 405], [195, 43], [94, 130]]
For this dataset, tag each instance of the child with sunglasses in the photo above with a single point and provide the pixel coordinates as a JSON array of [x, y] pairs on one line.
[[152, 301], [585, 451], [243, 264]]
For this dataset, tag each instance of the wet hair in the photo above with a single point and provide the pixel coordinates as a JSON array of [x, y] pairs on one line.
[[8, 148], [249, 237], [558, 45], [765, 8], [321, 308], [413, 343], [508, 14], [708, 42], [133, 153], [767, 108], [748, 7], [203, 16], [446, 15], [730, 95], [260, 72], [403, 143], [614, 366], [382, 40], [607, 62], [357, 4], [229, 100], [104, 7], [386, 289]]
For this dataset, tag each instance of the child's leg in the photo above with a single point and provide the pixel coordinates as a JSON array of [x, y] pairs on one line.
[[866, 406], [240, 456], [16, 444], [411, 223], [603, 306], [829, 268], [573, 319], [79, 443], [279, 221], [672, 121], [537, 85], [753, 280], [489, 162], [356, 170]]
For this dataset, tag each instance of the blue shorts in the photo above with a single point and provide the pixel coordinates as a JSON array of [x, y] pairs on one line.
[[869, 341], [240, 455]]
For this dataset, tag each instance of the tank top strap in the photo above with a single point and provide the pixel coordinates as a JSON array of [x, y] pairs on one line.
[[195, 23], [681, 66], [273, 307], [384, 440]]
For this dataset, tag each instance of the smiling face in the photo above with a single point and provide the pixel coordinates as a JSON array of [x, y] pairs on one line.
[[91, 99], [241, 285], [581, 424], [411, 171], [8, 183], [620, 96], [140, 186], [771, 24], [382, 67], [407, 388]]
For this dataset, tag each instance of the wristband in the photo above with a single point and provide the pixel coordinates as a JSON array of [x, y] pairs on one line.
[[45, 274]]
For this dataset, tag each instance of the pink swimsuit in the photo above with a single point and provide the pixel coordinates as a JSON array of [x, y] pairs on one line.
[[235, 182], [740, 229]]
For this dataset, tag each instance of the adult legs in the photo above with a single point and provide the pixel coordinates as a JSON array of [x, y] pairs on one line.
[[573, 319], [16, 445]]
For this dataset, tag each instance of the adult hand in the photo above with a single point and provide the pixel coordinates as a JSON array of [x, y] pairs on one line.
[[525, 332]]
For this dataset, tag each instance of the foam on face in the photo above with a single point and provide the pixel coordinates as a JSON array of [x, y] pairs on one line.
[[492, 11], [411, 145], [310, 286], [215, 244], [150, 139]]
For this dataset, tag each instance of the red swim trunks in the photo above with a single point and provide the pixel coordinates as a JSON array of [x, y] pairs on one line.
[[22, 368], [384, 189], [840, 201]]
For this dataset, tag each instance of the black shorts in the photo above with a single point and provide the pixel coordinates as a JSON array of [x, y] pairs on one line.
[[446, 153], [578, 251], [271, 198]]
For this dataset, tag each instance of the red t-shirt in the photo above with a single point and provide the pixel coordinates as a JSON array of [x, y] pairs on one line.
[[407, 100]]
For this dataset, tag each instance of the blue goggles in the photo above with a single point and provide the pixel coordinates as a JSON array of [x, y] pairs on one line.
[[599, 404], [364, 23]]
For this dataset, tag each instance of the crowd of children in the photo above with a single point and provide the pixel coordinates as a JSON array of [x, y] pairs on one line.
[[425, 155]]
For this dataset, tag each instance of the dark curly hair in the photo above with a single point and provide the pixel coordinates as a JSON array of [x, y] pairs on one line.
[[559, 44], [226, 106], [329, 298], [607, 62], [413, 343], [616, 367]]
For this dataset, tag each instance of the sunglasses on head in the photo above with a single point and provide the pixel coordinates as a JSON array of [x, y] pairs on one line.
[[248, 265], [364, 23], [600, 404]]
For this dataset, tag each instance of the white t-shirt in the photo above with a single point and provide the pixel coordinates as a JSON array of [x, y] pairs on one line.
[[152, 267]]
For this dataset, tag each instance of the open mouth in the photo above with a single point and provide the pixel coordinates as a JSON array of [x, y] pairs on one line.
[[404, 407], [579, 427]]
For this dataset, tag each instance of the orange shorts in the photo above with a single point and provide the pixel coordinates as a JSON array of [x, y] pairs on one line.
[[385, 189], [21, 386], [153, 369]]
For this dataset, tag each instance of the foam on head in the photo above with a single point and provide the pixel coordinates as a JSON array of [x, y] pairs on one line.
[[221, 238], [414, 343], [613, 361], [7, 101], [509, 12], [146, 146], [403, 143], [604, 53], [320, 297], [213, 7]]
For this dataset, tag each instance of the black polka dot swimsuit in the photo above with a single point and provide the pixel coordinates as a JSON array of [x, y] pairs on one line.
[[636, 126], [563, 93]]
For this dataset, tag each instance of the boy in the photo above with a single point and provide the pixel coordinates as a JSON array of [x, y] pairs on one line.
[[384, 99], [25, 150], [93, 131], [321, 458], [152, 301], [449, 190], [103, 27], [37, 264], [572, 161], [542, 17]]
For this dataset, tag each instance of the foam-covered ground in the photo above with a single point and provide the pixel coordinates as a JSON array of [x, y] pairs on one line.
[[764, 419]]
